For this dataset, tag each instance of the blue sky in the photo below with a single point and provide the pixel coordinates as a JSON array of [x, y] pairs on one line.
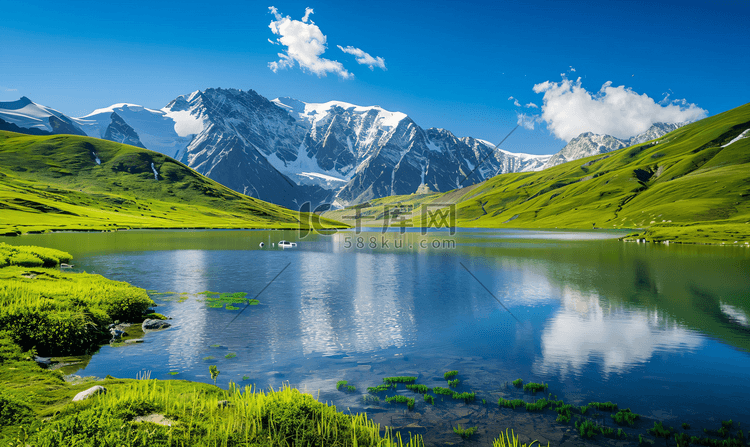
[[447, 64]]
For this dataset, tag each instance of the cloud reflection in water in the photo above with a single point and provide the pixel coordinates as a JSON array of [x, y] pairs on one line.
[[584, 332]]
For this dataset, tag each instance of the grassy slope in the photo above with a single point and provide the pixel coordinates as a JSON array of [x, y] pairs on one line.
[[683, 187], [54, 183]]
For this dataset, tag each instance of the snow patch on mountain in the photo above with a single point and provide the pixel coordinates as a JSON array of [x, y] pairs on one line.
[[155, 129]]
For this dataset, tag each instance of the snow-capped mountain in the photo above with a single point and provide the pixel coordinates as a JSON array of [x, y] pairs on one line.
[[27, 117], [370, 152], [588, 143], [290, 152]]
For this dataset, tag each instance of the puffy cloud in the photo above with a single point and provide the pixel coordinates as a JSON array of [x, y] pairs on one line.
[[305, 43], [515, 101], [569, 110], [531, 105], [364, 58]]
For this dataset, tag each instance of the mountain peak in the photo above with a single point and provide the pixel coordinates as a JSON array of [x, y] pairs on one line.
[[15, 105]]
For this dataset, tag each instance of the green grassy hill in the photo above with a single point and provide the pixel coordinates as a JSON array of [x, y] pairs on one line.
[[55, 183], [688, 186]]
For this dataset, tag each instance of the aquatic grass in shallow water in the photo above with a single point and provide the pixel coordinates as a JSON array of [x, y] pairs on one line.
[[378, 389], [511, 403], [421, 389], [517, 383], [564, 413], [659, 431], [400, 379], [624, 417], [466, 397], [534, 387], [430, 399], [603, 406], [464, 432], [409, 401], [453, 383], [441, 390], [450, 374], [506, 440], [539, 405]]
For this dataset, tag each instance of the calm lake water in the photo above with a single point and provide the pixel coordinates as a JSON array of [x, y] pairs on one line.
[[664, 330]]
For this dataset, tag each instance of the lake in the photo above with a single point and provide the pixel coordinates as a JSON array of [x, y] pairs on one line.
[[663, 330]]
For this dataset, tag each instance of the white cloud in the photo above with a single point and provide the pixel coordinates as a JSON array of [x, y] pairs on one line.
[[305, 43], [515, 101], [569, 110], [527, 121], [531, 105], [364, 58], [572, 70], [10, 89]]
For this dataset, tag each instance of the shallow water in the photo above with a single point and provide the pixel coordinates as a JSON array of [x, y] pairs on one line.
[[664, 330]]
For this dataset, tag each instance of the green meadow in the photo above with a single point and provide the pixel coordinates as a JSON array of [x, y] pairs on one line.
[[55, 183], [689, 186]]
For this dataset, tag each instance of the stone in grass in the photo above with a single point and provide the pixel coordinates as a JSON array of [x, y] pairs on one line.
[[154, 418], [94, 390], [133, 341], [43, 361], [150, 325]]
